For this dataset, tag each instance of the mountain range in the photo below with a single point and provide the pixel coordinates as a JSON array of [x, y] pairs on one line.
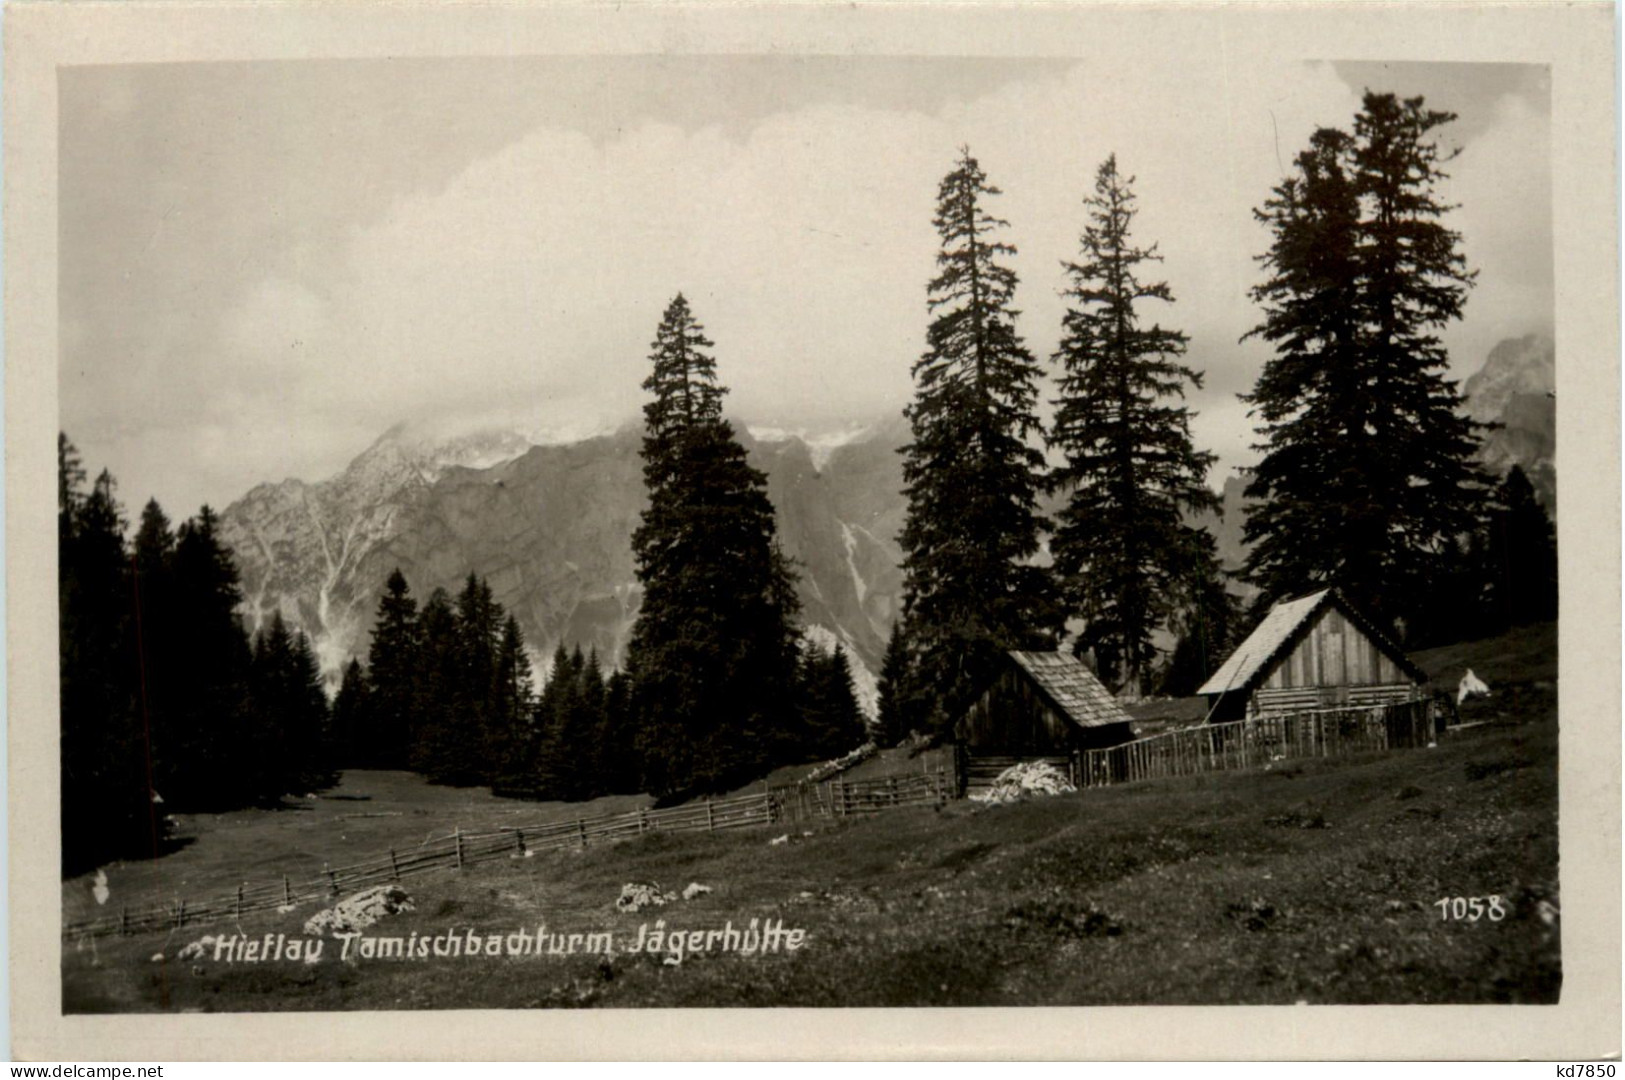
[[550, 526]]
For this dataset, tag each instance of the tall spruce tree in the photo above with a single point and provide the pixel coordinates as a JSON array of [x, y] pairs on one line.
[[548, 769], [1367, 479], [106, 805], [213, 720], [513, 705], [1520, 556], [437, 739], [712, 656], [350, 708], [971, 472], [1123, 553], [902, 704], [392, 671], [165, 670]]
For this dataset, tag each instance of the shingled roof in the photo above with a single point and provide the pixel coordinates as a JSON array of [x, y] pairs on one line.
[[1280, 630], [1071, 688]]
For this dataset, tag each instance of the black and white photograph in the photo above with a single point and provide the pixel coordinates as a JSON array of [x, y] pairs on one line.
[[813, 528]]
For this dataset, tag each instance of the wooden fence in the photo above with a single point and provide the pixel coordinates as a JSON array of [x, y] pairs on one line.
[[452, 852], [1187, 751], [1244, 744], [791, 803]]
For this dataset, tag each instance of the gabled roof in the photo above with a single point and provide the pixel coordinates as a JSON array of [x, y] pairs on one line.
[[1286, 622], [1071, 688]]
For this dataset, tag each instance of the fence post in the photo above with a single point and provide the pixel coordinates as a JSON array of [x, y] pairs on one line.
[[710, 816], [180, 912], [643, 820], [240, 901], [287, 893], [457, 837], [581, 830], [891, 788], [519, 841], [394, 867], [124, 920], [332, 879]]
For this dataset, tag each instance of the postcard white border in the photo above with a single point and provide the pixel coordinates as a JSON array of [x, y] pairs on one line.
[[1576, 40]]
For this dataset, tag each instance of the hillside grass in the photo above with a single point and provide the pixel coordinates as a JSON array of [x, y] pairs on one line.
[[1312, 881]]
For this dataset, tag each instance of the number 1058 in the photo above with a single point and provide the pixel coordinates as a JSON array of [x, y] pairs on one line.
[[1471, 908]]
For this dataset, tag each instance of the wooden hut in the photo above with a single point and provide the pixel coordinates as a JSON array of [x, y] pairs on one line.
[[1043, 704], [1313, 652]]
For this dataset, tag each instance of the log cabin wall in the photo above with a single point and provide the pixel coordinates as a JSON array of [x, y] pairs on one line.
[[1013, 716], [1335, 663], [1334, 652]]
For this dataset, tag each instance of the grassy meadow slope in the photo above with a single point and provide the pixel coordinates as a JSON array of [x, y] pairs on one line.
[[1310, 881], [1313, 882]]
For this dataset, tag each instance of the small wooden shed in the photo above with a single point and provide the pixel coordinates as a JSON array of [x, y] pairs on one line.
[[1312, 652], [1043, 703]]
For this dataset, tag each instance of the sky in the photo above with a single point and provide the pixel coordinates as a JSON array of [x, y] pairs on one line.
[[265, 265]]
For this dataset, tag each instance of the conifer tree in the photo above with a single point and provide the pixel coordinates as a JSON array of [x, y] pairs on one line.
[[588, 745], [514, 702], [1130, 473], [213, 720], [285, 744], [549, 768], [308, 725], [831, 722], [574, 729], [435, 751], [350, 708], [1367, 479], [392, 660], [971, 472], [618, 761], [896, 713], [164, 670], [467, 711], [712, 656], [1520, 556], [106, 805]]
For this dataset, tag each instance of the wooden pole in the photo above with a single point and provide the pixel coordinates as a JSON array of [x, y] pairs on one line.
[[332, 879], [457, 839], [394, 867], [124, 920], [519, 841], [710, 816], [287, 894], [581, 830], [240, 901]]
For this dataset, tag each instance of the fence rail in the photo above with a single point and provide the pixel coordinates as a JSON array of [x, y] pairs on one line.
[[1244, 744], [1188, 751], [838, 798], [442, 853]]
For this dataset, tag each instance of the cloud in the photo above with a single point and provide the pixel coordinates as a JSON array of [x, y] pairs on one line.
[[527, 286]]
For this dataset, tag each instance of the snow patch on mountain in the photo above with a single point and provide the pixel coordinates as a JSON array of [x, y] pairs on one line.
[[850, 541]]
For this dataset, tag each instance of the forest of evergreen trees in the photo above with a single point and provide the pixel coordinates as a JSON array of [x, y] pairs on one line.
[[170, 706], [447, 691], [1367, 480], [167, 704]]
